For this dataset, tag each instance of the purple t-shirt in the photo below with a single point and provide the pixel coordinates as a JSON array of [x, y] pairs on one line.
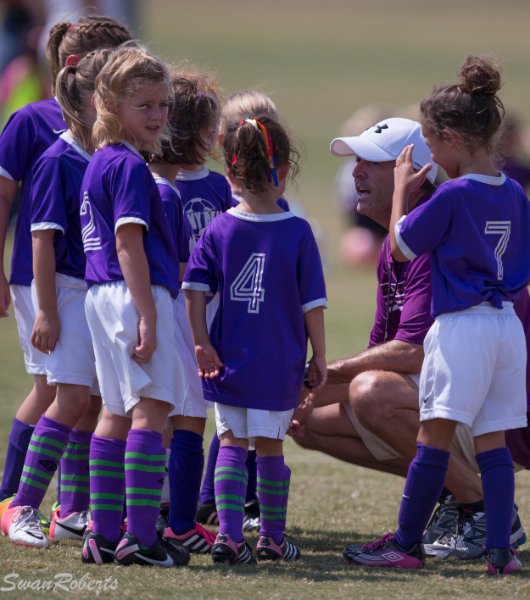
[[118, 188], [403, 299], [27, 134], [477, 229], [268, 273], [178, 223], [205, 194], [57, 178]]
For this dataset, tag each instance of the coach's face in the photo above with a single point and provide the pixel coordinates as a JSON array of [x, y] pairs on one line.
[[374, 182]]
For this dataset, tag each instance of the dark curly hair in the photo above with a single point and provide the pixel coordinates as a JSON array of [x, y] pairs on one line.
[[195, 107], [246, 152], [470, 107]]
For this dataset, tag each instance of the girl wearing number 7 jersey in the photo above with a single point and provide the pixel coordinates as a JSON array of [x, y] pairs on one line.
[[477, 227], [264, 263]]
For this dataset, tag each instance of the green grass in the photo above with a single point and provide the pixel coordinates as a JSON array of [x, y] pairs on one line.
[[320, 61]]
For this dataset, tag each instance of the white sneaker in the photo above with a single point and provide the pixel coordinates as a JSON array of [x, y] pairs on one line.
[[71, 527], [22, 525]]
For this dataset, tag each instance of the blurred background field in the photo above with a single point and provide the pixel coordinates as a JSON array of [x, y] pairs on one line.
[[319, 61]]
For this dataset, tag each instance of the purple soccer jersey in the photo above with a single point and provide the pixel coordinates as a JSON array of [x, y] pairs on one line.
[[55, 205], [403, 299], [205, 194], [178, 223], [27, 134], [118, 188], [477, 229], [268, 273]]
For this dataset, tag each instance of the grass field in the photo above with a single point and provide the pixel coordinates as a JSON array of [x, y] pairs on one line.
[[320, 61]]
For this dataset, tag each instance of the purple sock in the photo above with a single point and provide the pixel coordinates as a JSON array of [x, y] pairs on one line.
[[74, 476], [425, 481], [17, 447], [252, 476], [273, 491], [230, 487], [496, 469], [145, 467], [107, 486], [207, 491], [186, 462], [45, 450]]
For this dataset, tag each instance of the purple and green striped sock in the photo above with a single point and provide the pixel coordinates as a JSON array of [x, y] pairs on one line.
[[230, 482], [273, 493], [107, 486], [145, 467], [74, 476], [44, 452]]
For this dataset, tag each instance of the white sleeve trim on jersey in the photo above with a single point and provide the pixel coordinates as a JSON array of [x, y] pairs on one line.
[[197, 287], [125, 220], [45, 226], [4, 173], [314, 304], [405, 250]]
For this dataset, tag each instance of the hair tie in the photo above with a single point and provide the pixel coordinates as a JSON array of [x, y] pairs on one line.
[[268, 145], [234, 159], [72, 60], [70, 26]]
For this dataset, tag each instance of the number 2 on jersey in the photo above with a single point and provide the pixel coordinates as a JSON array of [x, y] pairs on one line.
[[502, 228], [246, 287]]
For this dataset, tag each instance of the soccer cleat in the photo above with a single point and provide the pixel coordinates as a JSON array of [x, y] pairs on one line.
[[267, 549], [471, 541], [251, 518], [443, 520], [22, 525], [385, 552], [129, 551], [96, 549], [4, 505], [502, 561], [71, 527], [225, 550], [197, 539], [207, 513], [162, 521]]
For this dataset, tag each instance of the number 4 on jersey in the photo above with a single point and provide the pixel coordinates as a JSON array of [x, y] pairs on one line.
[[246, 287]]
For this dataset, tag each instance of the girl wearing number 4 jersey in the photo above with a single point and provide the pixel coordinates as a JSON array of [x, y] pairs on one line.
[[265, 265], [477, 227]]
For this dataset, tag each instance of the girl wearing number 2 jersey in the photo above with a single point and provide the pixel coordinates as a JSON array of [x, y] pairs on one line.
[[264, 263]]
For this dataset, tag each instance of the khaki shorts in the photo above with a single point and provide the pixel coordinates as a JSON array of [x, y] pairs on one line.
[[380, 449]]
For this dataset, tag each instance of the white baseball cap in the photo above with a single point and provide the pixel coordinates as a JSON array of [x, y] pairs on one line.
[[385, 141]]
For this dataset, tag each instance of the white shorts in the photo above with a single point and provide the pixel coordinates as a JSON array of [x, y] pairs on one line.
[[474, 370], [192, 402], [34, 359], [250, 423], [377, 447], [113, 321], [464, 445], [72, 361]]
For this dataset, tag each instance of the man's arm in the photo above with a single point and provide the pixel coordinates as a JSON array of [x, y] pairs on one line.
[[395, 355]]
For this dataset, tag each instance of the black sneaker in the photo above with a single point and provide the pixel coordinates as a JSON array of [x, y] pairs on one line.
[[207, 513], [129, 551], [225, 550], [96, 549], [251, 518], [267, 549], [162, 521]]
